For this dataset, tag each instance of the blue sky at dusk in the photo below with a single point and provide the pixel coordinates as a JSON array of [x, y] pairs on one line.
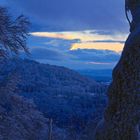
[[79, 34]]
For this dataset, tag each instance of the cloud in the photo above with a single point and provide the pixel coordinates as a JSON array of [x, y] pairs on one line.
[[99, 63], [85, 35], [93, 55], [74, 33], [88, 39], [54, 15], [53, 53], [51, 43], [108, 41], [43, 53], [57, 51], [77, 59], [117, 47]]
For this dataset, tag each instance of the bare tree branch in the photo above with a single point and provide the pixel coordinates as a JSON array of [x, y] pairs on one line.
[[13, 34]]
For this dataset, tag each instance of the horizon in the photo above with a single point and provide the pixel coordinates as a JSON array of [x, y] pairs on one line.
[[72, 35]]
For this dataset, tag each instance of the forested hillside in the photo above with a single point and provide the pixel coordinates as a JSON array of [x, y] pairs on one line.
[[36, 77], [72, 101]]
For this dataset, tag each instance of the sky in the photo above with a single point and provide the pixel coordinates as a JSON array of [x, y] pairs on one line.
[[79, 34]]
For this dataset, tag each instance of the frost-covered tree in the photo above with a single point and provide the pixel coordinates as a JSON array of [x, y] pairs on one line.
[[13, 33], [19, 119]]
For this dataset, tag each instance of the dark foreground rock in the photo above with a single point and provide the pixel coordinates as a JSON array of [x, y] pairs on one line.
[[122, 116]]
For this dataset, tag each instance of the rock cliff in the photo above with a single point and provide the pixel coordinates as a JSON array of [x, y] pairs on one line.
[[122, 116]]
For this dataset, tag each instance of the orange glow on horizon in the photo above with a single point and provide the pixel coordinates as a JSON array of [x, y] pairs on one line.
[[81, 35], [87, 38], [53, 35], [117, 47]]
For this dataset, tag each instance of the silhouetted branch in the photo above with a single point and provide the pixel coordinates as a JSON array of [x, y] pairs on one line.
[[13, 33]]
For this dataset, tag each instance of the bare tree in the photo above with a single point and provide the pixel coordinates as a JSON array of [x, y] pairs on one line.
[[13, 34]]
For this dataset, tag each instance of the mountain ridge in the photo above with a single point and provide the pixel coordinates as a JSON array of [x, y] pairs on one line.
[[44, 76]]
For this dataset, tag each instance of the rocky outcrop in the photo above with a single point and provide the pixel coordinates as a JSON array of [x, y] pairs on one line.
[[122, 116]]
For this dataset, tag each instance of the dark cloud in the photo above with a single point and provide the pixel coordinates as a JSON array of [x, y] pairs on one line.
[[73, 14], [51, 43], [104, 16], [92, 55], [43, 53], [109, 41], [76, 59], [56, 51]]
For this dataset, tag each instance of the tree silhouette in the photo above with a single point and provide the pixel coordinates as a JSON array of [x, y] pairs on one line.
[[13, 34]]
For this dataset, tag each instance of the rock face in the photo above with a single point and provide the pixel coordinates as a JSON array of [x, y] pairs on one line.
[[122, 116]]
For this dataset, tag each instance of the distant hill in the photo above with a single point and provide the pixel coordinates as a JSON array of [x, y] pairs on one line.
[[70, 99], [100, 75], [37, 77]]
